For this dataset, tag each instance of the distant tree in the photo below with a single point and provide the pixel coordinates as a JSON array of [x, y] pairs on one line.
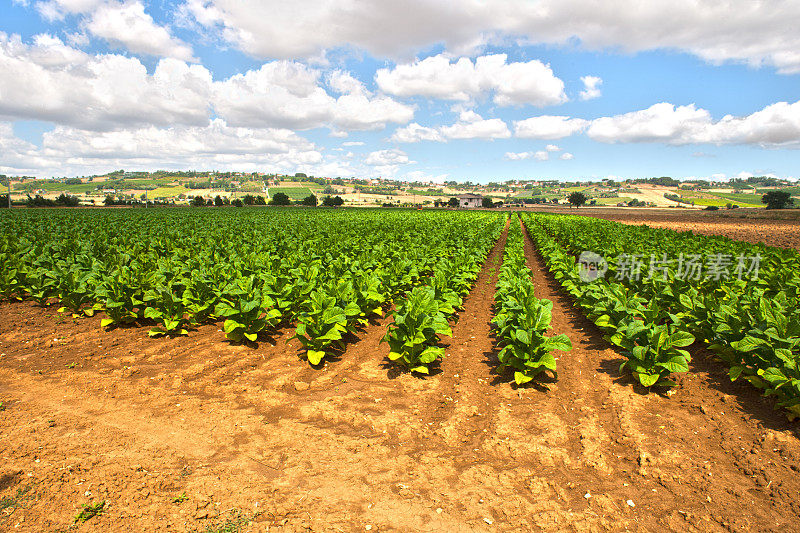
[[198, 201], [280, 198], [109, 200], [218, 201], [249, 199], [65, 200], [328, 190], [452, 202], [332, 202], [487, 202], [577, 199], [777, 200], [210, 202], [237, 203], [300, 175], [310, 200], [260, 200], [73, 181]]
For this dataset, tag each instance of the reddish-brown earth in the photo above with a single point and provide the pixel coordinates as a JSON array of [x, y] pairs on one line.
[[253, 432], [773, 228]]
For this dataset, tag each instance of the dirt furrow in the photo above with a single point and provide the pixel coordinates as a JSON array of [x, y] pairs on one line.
[[672, 451]]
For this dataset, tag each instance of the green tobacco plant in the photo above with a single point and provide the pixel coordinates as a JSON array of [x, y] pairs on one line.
[[246, 310], [653, 352], [165, 305], [414, 335], [321, 325], [522, 322]]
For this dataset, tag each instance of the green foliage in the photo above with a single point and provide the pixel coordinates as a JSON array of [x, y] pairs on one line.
[[752, 322], [577, 198], [522, 319], [414, 336], [777, 200], [336, 201], [280, 199], [246, 309], [89, 510]]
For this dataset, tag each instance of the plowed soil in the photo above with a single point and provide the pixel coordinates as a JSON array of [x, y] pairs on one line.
[[773, 228], [194, 433]]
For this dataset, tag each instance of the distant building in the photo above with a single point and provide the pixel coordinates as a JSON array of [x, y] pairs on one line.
[[469, 200]]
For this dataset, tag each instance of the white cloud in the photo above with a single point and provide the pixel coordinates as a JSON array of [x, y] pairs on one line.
[[50, 81], [566, 156], [389, 157], [123, 24], [288, 94], [470, 125], [591, 86], [777, 125], [71, 151], [541, 155], [531, 82], [552, 148], [549, 127], [353, 143], [755, 33], [126, 25], [415, 133]]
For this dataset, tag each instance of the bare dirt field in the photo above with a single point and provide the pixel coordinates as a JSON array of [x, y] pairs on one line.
[[774, 228], [196, 434]]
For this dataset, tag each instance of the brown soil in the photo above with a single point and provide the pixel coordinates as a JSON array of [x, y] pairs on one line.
[[254, 432], [773, 228]]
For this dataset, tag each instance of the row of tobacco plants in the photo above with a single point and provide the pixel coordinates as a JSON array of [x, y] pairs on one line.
[[327, 273], [522, 319], [661, 291]]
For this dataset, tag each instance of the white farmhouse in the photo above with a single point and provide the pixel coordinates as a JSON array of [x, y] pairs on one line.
[[469, 200]]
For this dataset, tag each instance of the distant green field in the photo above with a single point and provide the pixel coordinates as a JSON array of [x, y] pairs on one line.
[[294, 193], [136, 183], [741, 198], [611, 201], [167, 192], [56, 186], [794, 191], [530, 194], [573, 189]]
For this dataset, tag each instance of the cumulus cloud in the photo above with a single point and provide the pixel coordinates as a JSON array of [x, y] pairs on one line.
[[755, 33], [353, 143], [392, 156], [541, 155], [416, 133], [777, 125], [552, 148], [289, 94], [549, 127], [123, 24], [48, 80], [67, 150], [566, 156], [126, 25], [531, 82], [470, 125], [591, 88]]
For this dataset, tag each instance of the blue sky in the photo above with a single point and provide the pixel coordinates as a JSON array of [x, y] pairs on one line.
[[438, 90]]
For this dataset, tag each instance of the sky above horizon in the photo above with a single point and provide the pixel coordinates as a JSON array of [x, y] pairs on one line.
[[417, 90]]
